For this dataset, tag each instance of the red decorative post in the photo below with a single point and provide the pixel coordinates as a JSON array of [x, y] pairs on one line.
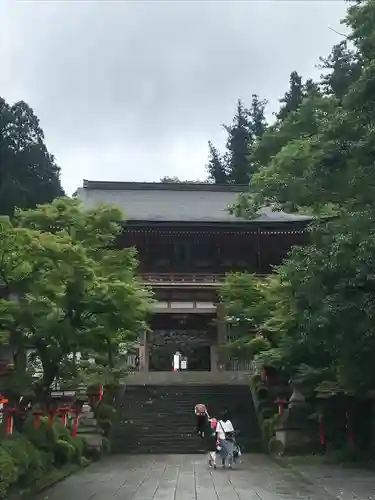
[[3, 401], [280, 402], [10, 420], [75, 422], [51, 414], [350, 433], [37, 414], [322, 439], [64, 410]]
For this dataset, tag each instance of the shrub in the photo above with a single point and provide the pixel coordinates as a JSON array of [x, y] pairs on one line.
[[275, 446], [262, 393], [84, 462], [43, 437], [79, 446], [16, 447], [105, 414], [94, 453], [31, 462], [64, 452], [267, 429], [255, 379], [266, 412], [61, 431], [105, 411], [8, 472], [279, 420], [106, 446]]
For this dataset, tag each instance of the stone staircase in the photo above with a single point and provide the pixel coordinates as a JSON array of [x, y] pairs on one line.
[[89, 430], [187, 378], [160, 418]]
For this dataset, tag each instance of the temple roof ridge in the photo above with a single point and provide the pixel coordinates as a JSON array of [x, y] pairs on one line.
[[176, 202], [164, 186]]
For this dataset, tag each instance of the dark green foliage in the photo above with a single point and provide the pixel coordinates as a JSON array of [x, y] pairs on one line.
[[318, 159], [267, 429], [293, 98], [63, 452], [239, 135], [106, 446], [237, 164], [255, 379], [342, 69], [105, 413], [27, 458], [76, 294], [267, 412], [43, 437], [216, 167], [8, 472], [28, 172]]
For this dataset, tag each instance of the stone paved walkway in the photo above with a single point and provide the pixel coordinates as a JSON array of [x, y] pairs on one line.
[[184, 477], [341, 482]]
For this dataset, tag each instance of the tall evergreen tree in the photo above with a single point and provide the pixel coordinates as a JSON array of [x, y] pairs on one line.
[[257, 117], [311, 86], [239, 136], [342, 69], [216, 166], [293, 98], [28, 172], [258, 127]]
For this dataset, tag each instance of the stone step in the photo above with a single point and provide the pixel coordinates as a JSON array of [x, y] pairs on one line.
[[188, 378], [176, 448], [160, 418]]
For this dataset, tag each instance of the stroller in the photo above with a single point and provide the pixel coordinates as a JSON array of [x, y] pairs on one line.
[[237, 452]]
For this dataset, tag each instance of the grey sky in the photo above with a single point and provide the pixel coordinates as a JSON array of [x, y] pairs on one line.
[[133, 90]]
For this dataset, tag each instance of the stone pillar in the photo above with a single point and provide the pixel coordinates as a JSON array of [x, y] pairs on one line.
[[214, 361], [144, 352]]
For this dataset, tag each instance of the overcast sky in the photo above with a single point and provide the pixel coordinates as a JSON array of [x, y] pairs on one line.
[[133, 90]]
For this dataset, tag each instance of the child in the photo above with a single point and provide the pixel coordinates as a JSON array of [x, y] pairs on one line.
[[201, 416], [212, 443]]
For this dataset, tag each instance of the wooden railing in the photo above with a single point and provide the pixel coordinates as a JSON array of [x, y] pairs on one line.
[[242, 365], [185, 278]]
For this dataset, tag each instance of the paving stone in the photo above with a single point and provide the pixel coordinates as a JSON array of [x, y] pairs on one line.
[[342, 483], [187, 477]]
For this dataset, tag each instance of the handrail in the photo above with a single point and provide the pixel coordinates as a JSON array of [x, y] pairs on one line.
[[182, 278]]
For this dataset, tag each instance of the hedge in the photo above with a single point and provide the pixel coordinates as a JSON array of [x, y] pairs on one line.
[[32, 455]]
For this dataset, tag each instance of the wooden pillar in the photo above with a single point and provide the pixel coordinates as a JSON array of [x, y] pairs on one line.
[[144, 357], [221, 337]]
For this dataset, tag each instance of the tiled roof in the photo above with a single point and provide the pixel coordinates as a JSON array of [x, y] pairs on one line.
[[170, 202]]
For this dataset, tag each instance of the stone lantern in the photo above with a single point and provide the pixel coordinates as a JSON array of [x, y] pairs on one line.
[[297, 399]]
